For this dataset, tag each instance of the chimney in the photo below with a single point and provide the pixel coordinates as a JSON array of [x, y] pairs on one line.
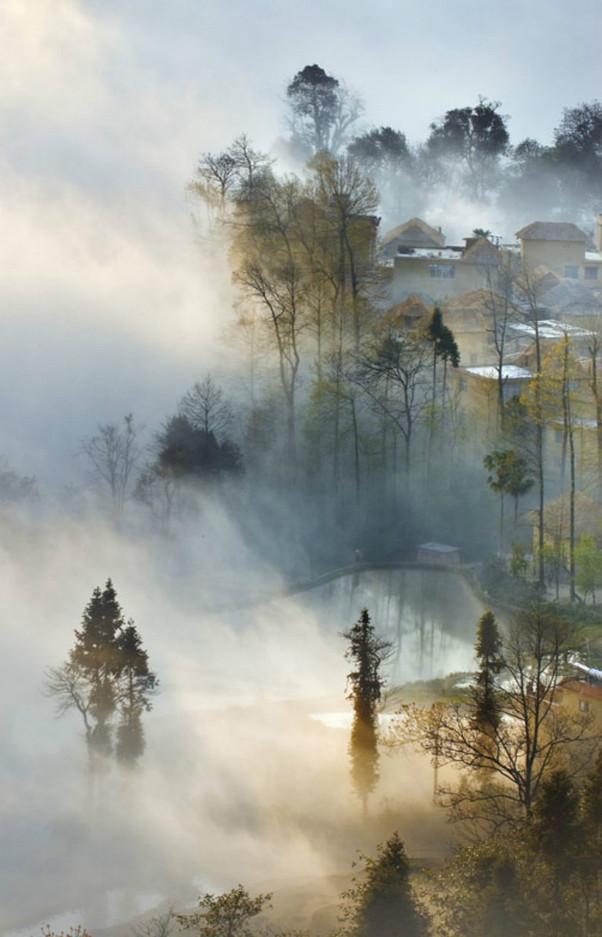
[[599, 233]]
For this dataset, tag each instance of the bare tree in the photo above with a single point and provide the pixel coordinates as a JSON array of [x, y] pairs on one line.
[[270, 274], [232, 174], [499, 303], [216, 179], [206, 408], [71, 689], [504, 768], [594, 351], [113, 454], [528, 293], [159, 925], [393, 376]]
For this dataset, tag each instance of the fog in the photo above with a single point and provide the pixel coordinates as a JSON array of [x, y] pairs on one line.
[[238, 781], [105, 109], [114, 301]]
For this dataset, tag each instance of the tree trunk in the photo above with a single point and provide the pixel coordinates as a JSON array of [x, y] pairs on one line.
[[356, 449]]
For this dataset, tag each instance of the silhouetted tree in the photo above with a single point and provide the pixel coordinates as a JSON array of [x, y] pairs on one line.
[[381, 903], [113, 454], [381, 152], [578, 150], [206, 408], [531, 733], [488, 650], [186, 450], [365, 682], [474, 136], [96, 656], [106, 673], [135, 686], [230, 176], [557, 834], [322, 111]]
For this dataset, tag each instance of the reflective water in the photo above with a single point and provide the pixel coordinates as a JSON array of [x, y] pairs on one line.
[[429, 616]]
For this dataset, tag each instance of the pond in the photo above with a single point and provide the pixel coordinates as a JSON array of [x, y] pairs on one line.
[[429, 616]]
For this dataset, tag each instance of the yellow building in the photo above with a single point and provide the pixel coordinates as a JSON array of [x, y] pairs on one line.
[[564, 249], [411, 234], [582, 695], [556, 520], [476, 390], [443, 272]]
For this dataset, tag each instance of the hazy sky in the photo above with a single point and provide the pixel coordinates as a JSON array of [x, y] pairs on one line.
[[107, 305]]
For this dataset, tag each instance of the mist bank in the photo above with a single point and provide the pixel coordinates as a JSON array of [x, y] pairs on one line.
[[230, 787]]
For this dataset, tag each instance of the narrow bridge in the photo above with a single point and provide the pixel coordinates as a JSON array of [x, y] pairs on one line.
[[305, 585]]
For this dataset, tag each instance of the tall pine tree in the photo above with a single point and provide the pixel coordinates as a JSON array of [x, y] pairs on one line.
[[365, 683], [106, 674], [136, 684], [96, 656], [488, 650]]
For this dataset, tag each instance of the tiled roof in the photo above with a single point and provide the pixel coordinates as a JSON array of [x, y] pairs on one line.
[[552, 231]]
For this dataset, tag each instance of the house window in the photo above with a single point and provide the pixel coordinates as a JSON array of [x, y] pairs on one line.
[[583, 706], [571, 271], [442, 271], [591, 273]]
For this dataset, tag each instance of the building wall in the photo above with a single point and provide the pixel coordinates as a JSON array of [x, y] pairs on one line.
[[578, 698], [477, 400], [475, 342], [414, 275], [556, 255], [585, 440]]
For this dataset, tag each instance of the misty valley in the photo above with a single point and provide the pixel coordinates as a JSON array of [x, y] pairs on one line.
[[300, 471]]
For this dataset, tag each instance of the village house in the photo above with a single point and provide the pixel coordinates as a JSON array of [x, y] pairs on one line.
[[468, 315], [414, 233], [475, 390], [439, 271], [556, 519], [582, 694], [564, 249]]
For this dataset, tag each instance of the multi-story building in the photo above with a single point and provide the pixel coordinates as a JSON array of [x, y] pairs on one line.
[[564, 249]]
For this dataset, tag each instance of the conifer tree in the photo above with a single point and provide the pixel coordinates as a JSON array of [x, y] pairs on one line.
[[106, 674], [382, 903], [365, 683], [488, 649], [136, 683], [96, 656], [557, 833]]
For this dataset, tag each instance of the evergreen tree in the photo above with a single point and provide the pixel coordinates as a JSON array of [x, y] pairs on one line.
[[382, 904], [488, 650], [557, 834], [365, 683], [504, 907], [590, 852], [106, 673], [189, 451], [136, 683], [96, 657]]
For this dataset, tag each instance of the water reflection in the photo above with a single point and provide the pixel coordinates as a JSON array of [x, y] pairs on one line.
[[429, 616]]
